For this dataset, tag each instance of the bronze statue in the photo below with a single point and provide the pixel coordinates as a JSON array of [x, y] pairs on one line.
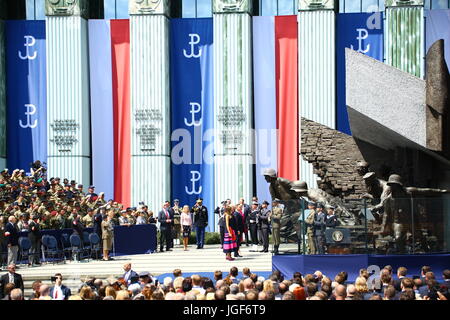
[[397, 220], [279, 188], [345, 217]]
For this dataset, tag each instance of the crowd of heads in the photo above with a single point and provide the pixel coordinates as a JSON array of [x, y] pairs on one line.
[[251, 286]]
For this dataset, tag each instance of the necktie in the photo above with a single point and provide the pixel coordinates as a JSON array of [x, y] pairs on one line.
[[167, 214], [56, 293]]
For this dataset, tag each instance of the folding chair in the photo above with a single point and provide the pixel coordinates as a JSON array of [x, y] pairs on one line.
[[65, 245], [78, 252], [94, 240], [24, 247], [52, 250]]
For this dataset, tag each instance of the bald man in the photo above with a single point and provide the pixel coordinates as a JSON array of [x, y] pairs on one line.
[[129, 274], [340, 292], [351, 291]]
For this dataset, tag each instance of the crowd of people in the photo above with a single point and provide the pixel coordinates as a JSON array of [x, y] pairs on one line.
[[248, 286]]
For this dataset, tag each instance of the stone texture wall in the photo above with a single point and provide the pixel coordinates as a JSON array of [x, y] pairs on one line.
[[334, 156]]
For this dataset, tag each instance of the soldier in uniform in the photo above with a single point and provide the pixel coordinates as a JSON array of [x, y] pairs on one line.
[[264, 225], [319, 229], [88, 219], [176, 221], [252, 220], [310, 228], [277, 213]]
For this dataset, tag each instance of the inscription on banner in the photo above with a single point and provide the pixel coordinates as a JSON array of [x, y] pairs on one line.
[[231, 117], [148, 124], [65, 133]]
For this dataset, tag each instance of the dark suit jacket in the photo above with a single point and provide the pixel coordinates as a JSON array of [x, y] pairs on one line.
[[397, 284], [13, 238], [98, 218], [4, 280], [34, 235], [66, 292], [331, 221], [162, 219], [239, 223], [132, 275]]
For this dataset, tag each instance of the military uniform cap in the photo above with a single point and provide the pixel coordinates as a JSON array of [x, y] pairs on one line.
[[299, 186], [270, 173], [369, 175]]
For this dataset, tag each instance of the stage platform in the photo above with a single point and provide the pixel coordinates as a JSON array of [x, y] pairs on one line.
[[331, 265], [202, 261]]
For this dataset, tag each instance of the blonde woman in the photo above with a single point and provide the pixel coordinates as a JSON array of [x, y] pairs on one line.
[[186, 225], [268, 286], [362, 288]]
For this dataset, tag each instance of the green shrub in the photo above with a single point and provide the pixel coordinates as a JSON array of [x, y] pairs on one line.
[[212, 238]]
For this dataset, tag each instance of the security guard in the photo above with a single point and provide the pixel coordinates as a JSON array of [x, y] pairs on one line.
[[319, 229], [252, 220], [277, 213], [264, 225], [309, 221]]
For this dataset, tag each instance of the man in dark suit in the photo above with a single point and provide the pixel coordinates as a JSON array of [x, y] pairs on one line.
[[200, 222], [98, 218], [264, 225], [239, 223], [319, 229], [10, 277], [12, 240], [401, 273], [129, 273], [165, 219], [35, 236], [246, 208], [59, 291]]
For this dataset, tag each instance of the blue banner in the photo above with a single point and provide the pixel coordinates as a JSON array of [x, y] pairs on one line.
[[102, 127], [192, 113], [438, 27], [264, 70], [362, 32], [26, 93]]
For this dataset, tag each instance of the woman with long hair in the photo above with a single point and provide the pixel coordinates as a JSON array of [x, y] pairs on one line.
[[229, 240], [186, 225]]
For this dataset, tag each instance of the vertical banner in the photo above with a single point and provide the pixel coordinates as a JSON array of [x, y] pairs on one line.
[[362, 32], [26, 88], [120, 47], [101, 106], [192, 112], [317, 75], [438, 27], [2, 96], [286, 42], [405, 43], [265, 113], [233, 107]]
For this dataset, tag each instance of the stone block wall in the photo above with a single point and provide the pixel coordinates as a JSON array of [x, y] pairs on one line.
[[334, 156]]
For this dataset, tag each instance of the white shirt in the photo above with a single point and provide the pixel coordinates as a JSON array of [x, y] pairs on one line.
[[199, 289], [11, 277], [57, 293]]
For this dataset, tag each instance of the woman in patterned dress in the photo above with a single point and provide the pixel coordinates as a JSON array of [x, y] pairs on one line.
[[229, 241]]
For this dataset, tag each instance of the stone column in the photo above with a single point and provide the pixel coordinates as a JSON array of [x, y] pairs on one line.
[[317, 69], [233, 102], [405, 36], [150, 102], [68, 90]]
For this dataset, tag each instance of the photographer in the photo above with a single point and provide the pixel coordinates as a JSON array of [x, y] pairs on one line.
[[59, 291]]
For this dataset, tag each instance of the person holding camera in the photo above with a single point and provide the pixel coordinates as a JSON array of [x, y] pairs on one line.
[[59, 291], [35, 238]]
